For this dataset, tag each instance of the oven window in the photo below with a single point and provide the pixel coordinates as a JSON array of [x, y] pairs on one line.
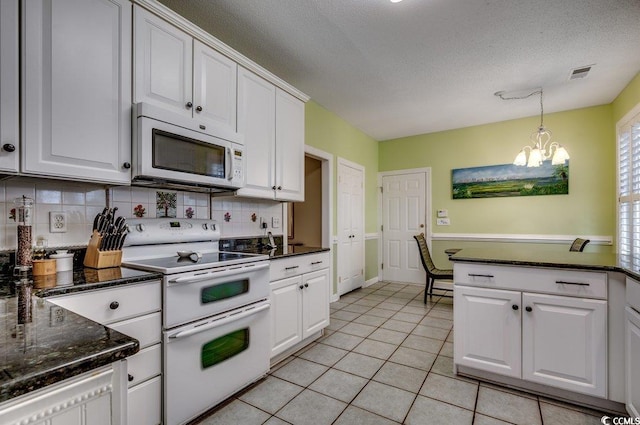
[[224, 347], [223, 291], [178, 153]]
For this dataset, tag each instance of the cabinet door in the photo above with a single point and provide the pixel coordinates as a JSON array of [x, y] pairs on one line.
[[162, 64], [214, 89], [289, 147], [286, 314], [9, 106], [77, 89], [564, 342], [256, 122], [144, 403], [315, 302], [487, 335], [632, 362]]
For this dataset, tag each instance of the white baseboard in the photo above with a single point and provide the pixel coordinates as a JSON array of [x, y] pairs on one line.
[[334, 298], [370, 282]]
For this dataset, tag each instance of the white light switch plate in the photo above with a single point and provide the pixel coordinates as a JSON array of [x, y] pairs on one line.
[[443, 213], [275, 222], [443, 222]]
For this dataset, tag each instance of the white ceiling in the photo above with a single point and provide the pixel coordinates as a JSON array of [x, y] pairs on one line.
[[420, 66]]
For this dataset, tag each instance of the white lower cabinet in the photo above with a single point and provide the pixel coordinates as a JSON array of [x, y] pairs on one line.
[[632, 348], [559, 340], [299, 304], [93, 398], [135, 311], [564, 342]]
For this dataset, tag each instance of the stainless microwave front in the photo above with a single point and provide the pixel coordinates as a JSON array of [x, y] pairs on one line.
[[166, 151]]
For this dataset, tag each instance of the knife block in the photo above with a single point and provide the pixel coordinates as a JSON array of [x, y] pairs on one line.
[[97, 259]]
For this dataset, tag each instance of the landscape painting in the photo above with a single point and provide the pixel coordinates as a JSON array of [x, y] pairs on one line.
[[510, 180]]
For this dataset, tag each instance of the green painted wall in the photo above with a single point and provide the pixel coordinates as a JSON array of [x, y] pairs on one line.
[[328, 132], [627, 99], [589, 208]]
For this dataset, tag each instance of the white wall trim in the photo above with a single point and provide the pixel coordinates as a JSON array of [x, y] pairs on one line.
[[370, 281], [524, 238], [195, 31], [368, 236], [334, 297]]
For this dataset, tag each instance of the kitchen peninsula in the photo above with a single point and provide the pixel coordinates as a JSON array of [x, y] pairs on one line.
[[550, 322], [54, 355]]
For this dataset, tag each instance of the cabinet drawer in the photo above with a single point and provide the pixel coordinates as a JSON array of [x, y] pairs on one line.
[[299, 264], [143, 403], [146, 329], [111, 305], [544, 280], [144, 364]]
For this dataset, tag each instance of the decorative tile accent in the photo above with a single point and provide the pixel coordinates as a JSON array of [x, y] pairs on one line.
[[166, 204]]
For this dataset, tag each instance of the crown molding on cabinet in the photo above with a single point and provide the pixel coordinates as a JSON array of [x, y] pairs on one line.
[[189, 27]]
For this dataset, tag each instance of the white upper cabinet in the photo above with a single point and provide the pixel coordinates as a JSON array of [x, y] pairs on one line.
[[272, 124], [176, 72], [76, 89], [214, 87], [9, 104], [257, 123], [163, 64], [289, 147]]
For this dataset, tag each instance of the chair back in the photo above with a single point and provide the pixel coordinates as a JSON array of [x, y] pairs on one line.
[[425, 256], [579, 244]]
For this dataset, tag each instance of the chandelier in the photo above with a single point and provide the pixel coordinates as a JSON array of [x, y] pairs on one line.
[[541, 148]]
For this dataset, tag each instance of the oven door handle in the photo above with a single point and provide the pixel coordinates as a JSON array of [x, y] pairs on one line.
[[220, 322], [215, 275]]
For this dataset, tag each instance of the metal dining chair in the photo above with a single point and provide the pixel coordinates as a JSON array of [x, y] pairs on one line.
[[433, 272], [579, 244]]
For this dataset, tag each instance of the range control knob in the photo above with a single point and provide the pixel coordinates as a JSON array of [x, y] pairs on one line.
[[140, 227], [204, 226], [213, 226]]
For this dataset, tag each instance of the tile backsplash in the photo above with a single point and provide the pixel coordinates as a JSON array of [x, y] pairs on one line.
[[82, 201]]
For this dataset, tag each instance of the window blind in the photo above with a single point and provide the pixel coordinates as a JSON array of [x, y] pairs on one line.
[[628, 134]]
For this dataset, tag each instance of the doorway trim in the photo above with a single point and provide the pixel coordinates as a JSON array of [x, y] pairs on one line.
[[326, 160], [427, 197]]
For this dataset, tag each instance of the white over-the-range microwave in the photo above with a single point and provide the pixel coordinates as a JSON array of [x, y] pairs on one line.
[[170, 150]]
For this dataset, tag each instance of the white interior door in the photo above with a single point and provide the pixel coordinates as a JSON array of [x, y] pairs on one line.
[[404, 215], [350, 226]]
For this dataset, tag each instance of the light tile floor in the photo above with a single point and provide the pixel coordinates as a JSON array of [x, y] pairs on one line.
[[386, 358]]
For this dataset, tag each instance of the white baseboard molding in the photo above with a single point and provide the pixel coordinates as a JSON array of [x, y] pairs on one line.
[[334, 298], [370, 282], [368, 236], [523, 238]]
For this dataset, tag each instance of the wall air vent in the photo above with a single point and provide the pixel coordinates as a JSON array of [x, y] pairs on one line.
[[580, 73]]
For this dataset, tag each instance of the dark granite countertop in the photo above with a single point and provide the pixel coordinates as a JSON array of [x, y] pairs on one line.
[[37, 349], [259, 245], [547, 258]]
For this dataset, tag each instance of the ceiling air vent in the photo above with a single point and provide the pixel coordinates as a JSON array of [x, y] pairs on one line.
[[579, 73]]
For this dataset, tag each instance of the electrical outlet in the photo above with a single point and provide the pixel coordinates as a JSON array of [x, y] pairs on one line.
[[275, 222], [443, 222], [57, 222], [56, 317]]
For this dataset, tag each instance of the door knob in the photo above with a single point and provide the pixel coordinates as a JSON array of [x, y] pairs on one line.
[[306, 285], [126, 165], [529, 309], [515, 307], [8, 147], [189, 105], [199, 108], [114, 305], [422, 226]]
